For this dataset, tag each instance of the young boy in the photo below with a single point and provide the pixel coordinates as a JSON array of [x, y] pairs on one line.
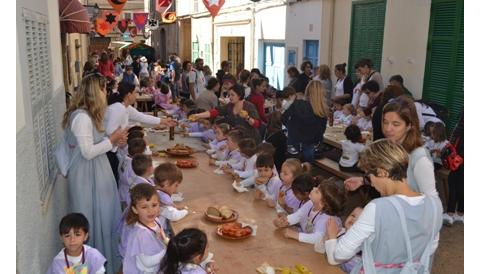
[[267, 183], [233, 156], [76, 257], [167, 178], [135, 146], [244, 169]]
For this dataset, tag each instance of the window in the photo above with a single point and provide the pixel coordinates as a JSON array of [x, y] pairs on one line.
[[443, 82], [366, 33], [194, 51], [310, 51], [40, 95]]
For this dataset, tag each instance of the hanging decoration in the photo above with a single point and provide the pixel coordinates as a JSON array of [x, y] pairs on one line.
[[146, 34], [133, 31], [140, 19], [213, 6], [153, 24], [163, 5], [123, 25], [111, 17], [169, 17], [102, 27], [117, 5]]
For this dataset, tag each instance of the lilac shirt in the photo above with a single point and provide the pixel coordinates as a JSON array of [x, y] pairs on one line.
[[191, 269], [290, 199], [93, 259]]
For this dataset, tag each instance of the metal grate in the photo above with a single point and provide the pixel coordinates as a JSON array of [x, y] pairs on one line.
[[40, 91]]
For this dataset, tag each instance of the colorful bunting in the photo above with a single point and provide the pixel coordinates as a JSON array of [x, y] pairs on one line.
[[123, 25], [102, 27], [213, 6], [140, 19], [110, 17], [117, 5]]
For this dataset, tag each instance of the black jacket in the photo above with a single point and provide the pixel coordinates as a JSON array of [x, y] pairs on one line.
[[302, 124], [301, 83]]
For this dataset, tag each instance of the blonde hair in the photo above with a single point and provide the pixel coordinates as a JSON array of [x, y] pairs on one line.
[[297, 167], [90, 98], [315, 94], [324, 72], [387, 155]]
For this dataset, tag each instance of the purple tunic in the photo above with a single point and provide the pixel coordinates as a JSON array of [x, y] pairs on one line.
[[94, 260], [142, 241], [165, 198], [216, 144], [318, 219], [273, 187], [192, 269], [290, 200]]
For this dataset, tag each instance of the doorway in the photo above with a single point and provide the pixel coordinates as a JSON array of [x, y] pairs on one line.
[[233, 50], [274, 65]]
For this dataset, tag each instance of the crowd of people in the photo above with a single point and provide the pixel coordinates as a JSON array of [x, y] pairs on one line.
[[387, 221]]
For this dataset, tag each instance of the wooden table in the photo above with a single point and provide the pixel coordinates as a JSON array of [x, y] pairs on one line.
[[202, 188], [334, 135], [142, 102]]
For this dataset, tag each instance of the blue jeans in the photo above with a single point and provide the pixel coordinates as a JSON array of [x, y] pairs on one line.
[[308, 151]]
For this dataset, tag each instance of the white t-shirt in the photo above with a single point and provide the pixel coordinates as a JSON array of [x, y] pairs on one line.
[[363, 101], [350, 153], [423, 119], [197, 77], [339, 88]]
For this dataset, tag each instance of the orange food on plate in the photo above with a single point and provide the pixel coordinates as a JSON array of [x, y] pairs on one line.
[[235, 230], [186, 163]]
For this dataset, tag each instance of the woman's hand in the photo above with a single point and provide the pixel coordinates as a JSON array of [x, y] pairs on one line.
[[281, 221], [119, 136], [169, 122], [353, 183], [332, 228]]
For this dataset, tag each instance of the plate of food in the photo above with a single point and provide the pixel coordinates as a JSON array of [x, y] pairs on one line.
[[180, 150], [234, 231], [221, 214], [190, 163]]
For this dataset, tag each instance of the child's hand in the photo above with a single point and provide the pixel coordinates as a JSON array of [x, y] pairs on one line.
[[211, 267], [270, 203], [281, 221], [281, 214], [291, 233], [332, 228], [259, 195], [235, 177]]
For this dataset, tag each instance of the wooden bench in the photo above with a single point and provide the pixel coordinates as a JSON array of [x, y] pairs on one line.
[[333, 168]]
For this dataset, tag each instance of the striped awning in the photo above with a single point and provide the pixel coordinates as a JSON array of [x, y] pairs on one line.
[[73, 17]]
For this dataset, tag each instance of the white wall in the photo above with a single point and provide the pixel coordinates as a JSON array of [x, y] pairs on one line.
[[269, 27], [404, 41], [303, 22], [20, 107]]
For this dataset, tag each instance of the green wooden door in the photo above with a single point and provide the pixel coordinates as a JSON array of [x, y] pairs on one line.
[[195, 51], [366, 33], [443, 82]]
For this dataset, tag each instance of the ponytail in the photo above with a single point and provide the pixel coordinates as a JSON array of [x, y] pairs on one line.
[[183, 248]]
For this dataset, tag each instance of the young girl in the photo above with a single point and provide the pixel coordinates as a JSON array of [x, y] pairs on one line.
[[163, 98], [338, 110], [147, 240], [267, 183], [220, 141], [167, 178], [76, 257], [291, 168], [187, 253], [257, 98], [233, 155], [436, 142], [345, 118], [350, 149], [364, 122], [325, 200], [206, 133], [244, 169]]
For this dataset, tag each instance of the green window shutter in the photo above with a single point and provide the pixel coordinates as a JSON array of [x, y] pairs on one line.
[[443, 82], [366, 33], [195, 53], [208, 52]]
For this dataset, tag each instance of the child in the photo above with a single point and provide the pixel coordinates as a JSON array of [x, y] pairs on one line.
[[168, 177], [246, 167], [76, 257], [291, 168], [126, 174], [364, 122], [436, 142], [351, 149], [267, 183], [345, 118], [186, 105], [233, 155], [206, 133], [277, 138], [142, 166], [163, 98], [263, 148], [338, 107], [220, 141], [187, 253], [289, 95], [325, 200], [146, 241]]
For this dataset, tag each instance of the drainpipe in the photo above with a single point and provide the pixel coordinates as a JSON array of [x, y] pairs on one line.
[[332, 22], [252, 46]]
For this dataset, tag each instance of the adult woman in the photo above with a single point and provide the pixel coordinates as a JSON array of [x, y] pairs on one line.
[[324, 76], [344, 85], [365, 66], [237, 112], [388, 94], [256, 97], [397, 232], [92, 188], [306, 120], [293, 74], [207, 98], [304, 78], [243, 80], [400, 124], [105, 65], [143, 73], [187, 67], [120, 113]]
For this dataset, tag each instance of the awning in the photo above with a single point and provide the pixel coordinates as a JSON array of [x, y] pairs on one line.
[[73, 17]]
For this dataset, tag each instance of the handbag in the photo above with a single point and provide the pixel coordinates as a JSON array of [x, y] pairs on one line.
[[451, 160]]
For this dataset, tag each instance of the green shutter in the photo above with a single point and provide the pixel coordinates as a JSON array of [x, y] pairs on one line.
[[443, 82], [366, 33], [194, 51], [207, 55]]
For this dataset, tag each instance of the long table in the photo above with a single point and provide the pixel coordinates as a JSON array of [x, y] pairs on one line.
[[202, 188], [335, 134]]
